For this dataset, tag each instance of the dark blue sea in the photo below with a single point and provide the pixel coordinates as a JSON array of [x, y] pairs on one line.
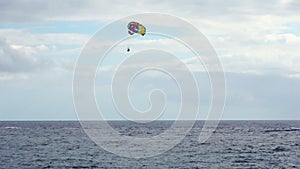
[[235, 144]]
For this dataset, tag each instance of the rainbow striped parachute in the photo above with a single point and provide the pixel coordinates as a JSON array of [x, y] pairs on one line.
[[135, 27]]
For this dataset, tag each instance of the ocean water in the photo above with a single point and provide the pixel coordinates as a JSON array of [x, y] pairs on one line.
[[235, 144]]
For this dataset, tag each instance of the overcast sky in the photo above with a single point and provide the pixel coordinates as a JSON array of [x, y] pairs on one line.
[[256, 41]]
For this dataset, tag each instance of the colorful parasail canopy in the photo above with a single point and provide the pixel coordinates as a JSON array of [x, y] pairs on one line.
[[135, 27]]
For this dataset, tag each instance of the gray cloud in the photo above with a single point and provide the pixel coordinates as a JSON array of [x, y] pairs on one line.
[[21, 11], [249, 96], [12, 60], [262, 97], [35, 11]]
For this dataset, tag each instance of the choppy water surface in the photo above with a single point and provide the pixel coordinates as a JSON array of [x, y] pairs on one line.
[[235, 144]]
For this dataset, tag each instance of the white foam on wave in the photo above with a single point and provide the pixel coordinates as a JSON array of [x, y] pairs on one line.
[[11, 127]]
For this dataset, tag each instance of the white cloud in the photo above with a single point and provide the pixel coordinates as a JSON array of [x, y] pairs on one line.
[[24, 54], [10, 76], [22, 37], [18, 59], [246, 34]]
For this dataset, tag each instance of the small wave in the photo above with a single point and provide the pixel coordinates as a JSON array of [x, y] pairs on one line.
[[280, 130], [241, 161], [70, 128], [280, 149], [11, 127]]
